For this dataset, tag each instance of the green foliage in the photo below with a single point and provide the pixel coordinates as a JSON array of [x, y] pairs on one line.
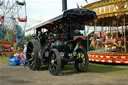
[[9, 34], [28, 37]]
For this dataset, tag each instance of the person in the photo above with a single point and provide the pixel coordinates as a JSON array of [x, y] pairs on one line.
[[25, 50], [119, 40], [93, 43], [115, 39], [108, 41]]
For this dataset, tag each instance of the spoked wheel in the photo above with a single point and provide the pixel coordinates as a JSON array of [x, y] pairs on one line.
[[54, 63], [33, 49], [81, 63]]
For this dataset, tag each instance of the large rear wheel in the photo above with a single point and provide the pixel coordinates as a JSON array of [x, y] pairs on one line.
[[32, 54], [54, 63], [81, 63]]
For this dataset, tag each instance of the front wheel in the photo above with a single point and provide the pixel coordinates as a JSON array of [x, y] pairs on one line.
[[54, 63], [32, 54], [81, 63]]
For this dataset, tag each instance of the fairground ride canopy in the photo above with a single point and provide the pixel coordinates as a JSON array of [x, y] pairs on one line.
[[110, 12]]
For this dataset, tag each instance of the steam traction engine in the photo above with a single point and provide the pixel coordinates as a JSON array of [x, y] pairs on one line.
[[59, 42]]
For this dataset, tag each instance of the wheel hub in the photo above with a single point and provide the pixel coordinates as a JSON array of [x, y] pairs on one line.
[[32, 54], [52, 62], [80, 60]]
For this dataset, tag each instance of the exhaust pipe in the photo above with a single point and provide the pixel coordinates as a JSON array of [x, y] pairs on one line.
[[64, 5]]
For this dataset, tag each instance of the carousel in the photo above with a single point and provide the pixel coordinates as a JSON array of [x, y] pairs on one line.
[[109, 40]]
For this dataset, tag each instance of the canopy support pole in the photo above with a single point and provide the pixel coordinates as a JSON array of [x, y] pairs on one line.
[[117, 30], [2, 22], [102, 29], [112, 28], [124, 35], [87, 39], [102, 33], [95, 22]]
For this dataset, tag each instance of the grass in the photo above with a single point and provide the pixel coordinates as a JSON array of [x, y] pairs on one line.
[[108, 69], [4, 60], [94, 68], [101, 69]]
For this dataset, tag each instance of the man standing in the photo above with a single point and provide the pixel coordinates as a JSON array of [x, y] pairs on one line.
[[25, 50]]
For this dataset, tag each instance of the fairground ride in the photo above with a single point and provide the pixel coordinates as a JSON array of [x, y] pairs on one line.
[[13, 20], [112, 19]]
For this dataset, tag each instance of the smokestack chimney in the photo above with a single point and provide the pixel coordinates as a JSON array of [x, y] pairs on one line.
[[64, 5]]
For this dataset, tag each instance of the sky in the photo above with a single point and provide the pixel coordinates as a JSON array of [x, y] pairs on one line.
[[42, 10]]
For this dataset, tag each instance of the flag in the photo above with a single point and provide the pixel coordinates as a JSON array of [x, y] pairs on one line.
[[86, 1]]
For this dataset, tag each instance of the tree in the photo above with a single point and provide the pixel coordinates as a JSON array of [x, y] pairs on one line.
[[28, 37], [9, 34]]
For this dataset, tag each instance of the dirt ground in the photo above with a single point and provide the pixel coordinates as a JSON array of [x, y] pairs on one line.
[[18, 75]]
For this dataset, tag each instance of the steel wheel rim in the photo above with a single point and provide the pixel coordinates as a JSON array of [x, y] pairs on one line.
[[53, 63], [31, 55], [81, 62]]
